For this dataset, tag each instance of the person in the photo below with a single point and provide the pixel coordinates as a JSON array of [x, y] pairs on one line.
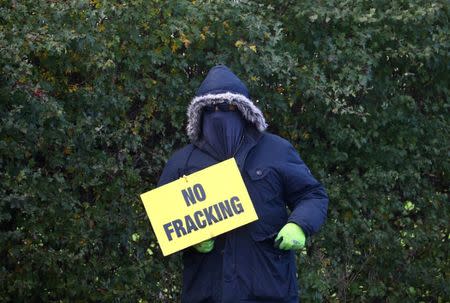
[[256, 262]]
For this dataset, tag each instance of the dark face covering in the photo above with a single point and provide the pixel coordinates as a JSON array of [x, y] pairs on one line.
[[223, 131]]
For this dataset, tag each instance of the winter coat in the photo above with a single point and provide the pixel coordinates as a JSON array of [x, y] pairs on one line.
[[244, 266]]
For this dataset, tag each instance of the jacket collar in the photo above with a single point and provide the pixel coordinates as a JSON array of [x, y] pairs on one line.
[[249, 140]]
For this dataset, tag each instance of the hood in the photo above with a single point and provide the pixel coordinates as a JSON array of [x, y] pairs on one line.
[[221, 85]]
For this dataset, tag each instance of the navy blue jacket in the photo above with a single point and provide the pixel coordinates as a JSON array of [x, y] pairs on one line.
[[244, 266]]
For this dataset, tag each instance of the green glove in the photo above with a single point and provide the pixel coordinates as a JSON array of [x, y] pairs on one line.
[[205, 246], [291, 236]]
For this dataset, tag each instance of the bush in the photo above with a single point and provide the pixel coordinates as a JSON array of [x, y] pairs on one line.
[[93, 98]]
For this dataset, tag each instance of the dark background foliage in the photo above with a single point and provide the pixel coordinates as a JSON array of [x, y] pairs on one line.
[[92, 103]]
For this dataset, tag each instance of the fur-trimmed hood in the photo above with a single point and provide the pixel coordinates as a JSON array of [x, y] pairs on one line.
[[221, 85]]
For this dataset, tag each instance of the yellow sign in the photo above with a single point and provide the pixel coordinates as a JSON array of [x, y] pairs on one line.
[[198, 207]]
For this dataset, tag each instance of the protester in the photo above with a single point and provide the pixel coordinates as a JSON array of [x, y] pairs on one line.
[[256, 262]]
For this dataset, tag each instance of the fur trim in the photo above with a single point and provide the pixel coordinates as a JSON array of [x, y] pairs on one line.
[[248, 110]]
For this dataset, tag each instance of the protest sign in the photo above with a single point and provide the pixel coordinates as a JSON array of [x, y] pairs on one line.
[[198, 207]]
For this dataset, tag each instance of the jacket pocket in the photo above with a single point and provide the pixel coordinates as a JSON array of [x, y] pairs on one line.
[[266, 242], [263, 183], [266, 194], [272, 271]]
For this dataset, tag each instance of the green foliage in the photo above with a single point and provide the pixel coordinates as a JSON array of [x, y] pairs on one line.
[[92, 103]]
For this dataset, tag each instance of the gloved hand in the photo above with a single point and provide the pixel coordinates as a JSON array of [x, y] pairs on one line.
[[205, 246], [291, 236]]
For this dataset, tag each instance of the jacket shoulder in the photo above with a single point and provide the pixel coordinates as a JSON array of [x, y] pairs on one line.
[[275, 142], [278, 149], [181, 153], [175, 162]]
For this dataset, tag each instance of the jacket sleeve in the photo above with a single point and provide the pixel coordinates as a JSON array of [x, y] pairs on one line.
[[305, 196]]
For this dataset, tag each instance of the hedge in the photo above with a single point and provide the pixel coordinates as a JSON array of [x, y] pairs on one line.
[[93, 99]]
